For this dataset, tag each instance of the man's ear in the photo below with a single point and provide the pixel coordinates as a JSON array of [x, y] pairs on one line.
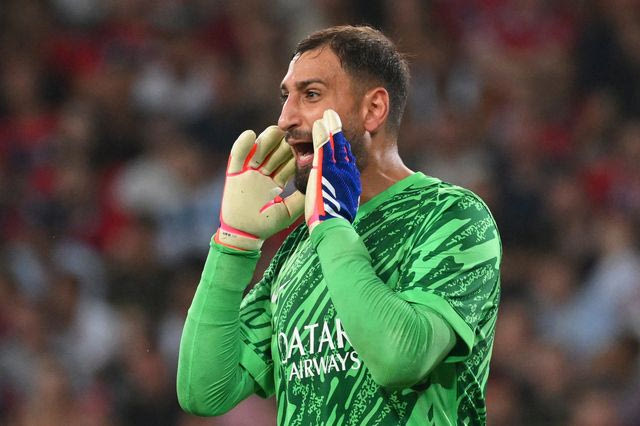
[[375, 109]]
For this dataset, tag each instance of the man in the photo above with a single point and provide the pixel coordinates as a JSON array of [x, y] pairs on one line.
[[381, 307]]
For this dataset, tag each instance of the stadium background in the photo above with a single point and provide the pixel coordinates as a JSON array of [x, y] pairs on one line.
[[115, 122]]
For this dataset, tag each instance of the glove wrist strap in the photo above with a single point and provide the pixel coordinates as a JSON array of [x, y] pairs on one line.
[[235, 241]]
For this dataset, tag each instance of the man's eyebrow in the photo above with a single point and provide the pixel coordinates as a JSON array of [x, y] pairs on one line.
[[301, 85]]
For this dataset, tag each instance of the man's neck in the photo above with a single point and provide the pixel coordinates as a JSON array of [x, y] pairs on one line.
[[384, 168]]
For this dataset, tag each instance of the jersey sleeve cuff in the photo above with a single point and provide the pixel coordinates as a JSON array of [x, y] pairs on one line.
[[329, 227], [229, 268], [465, 335], [230, 250]]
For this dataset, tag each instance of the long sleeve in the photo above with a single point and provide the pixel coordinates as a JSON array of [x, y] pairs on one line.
[[415, 337], [211, 379]]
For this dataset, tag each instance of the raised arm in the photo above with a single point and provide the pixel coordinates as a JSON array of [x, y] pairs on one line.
[[217, 368], [413, 331], [211, 380]]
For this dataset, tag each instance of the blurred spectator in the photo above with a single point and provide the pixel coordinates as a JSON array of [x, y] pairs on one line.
[[178, 83], [594, 407], [51, 401], [140, 382], [599, 312], [83, 329]]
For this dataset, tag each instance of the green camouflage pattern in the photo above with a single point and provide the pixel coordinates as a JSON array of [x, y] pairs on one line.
[[434, 244]]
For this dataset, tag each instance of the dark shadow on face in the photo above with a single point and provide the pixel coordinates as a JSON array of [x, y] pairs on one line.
[[301, 178]]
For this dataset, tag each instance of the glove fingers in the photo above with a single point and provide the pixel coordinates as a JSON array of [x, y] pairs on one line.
[[268, 141], [284, 212], [332, 121], [285, 172], [350, 156], [320, 135], [313, 198], [278, 157], [323, 151], [240, 150], [295, 205], [341, 147]]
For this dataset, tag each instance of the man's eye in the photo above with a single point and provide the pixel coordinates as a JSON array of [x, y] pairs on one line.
[[312, 95], [283, 97]]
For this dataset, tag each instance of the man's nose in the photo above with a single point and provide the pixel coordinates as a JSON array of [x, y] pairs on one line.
[[289, 116]]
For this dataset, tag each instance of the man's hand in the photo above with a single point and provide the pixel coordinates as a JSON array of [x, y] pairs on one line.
[[257, 172], [333, 189]]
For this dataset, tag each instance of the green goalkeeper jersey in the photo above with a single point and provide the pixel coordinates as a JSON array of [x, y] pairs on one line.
[[433, 244]]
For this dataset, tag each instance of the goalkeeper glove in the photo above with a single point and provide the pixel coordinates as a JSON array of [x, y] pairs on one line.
[[257, 172], [333, 189]]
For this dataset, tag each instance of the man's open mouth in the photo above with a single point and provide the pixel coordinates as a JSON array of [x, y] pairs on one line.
[[304, 153]]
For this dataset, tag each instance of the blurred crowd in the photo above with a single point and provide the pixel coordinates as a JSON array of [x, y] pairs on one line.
[[116, 117]]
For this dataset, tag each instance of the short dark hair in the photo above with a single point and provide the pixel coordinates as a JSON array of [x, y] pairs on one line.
[[370, 58]]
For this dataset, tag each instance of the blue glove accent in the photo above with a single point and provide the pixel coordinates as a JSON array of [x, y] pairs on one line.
[[341, 186]]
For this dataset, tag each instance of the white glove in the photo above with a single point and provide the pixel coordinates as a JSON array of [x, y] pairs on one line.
[[257, 172]]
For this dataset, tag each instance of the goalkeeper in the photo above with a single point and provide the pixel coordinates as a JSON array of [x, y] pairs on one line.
[[381, 307]]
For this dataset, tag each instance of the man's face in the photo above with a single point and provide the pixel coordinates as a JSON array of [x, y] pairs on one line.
[[314, 83]]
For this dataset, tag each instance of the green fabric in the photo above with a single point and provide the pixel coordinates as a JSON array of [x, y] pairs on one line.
[[210, 379], [375, 316], [323, 325]]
